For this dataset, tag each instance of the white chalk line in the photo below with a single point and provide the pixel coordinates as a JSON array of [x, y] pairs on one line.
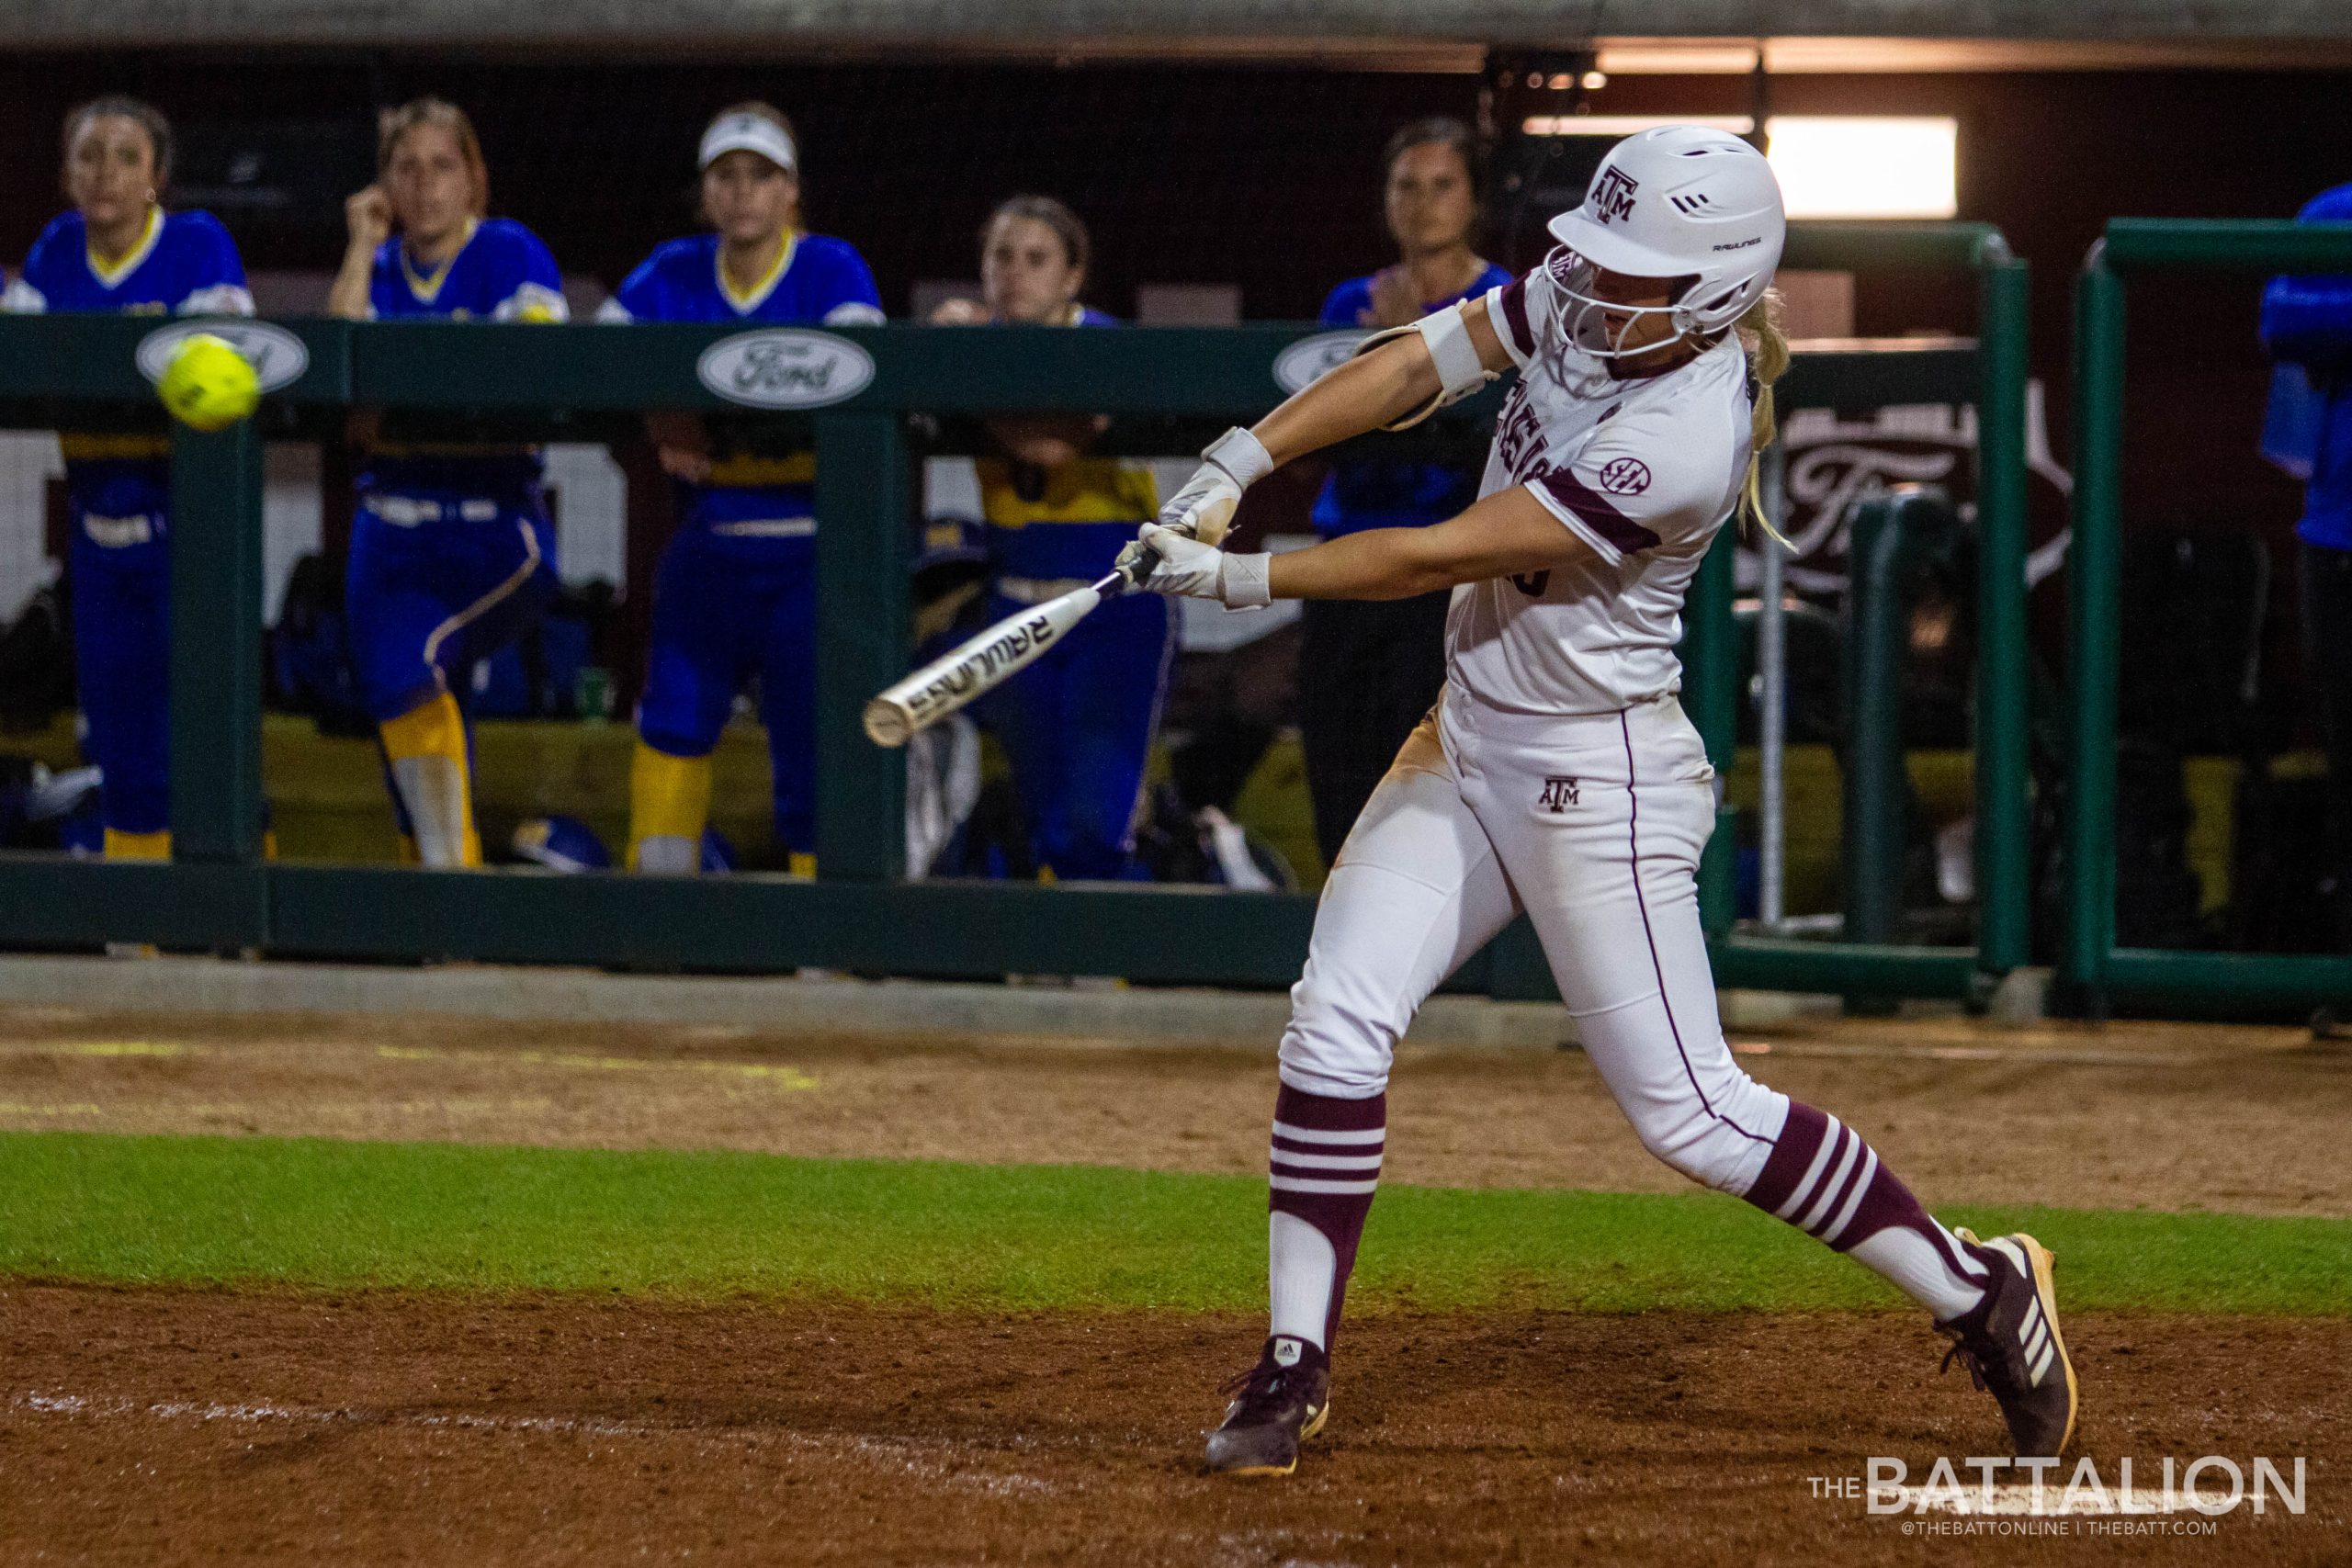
[[910, 1456]]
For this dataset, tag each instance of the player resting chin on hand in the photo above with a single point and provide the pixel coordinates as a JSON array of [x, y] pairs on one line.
[[1557, 774]]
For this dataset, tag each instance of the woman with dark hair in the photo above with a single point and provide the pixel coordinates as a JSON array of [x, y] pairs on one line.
[[1369, 671], [1077, 726], [119, 250], [452, 552], [736, 593]]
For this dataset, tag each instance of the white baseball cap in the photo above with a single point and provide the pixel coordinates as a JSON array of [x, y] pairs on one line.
[[742, 132]]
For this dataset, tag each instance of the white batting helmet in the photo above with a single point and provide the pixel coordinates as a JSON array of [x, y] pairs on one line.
[[1682, 201]]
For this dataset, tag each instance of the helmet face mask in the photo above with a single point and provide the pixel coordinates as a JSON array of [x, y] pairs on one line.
[[1601, 329]]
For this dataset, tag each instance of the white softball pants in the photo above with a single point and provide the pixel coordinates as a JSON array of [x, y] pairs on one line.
[[1593, 825]]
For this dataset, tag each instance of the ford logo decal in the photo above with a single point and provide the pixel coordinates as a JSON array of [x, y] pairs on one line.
[[1311, 359], [277, 357], [785, 369]]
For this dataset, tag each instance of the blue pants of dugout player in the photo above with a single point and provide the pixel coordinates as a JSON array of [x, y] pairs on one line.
[[436, 583], [1077, 727], [727, 606], [122, 631]]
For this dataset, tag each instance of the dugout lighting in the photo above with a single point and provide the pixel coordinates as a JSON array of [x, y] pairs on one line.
[[1613, 125], [1865, 165]]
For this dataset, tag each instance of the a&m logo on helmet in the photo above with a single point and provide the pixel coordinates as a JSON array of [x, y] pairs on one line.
[[1613, 194]]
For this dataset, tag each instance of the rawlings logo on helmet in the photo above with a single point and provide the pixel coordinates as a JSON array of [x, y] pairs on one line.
[[1613, 194]]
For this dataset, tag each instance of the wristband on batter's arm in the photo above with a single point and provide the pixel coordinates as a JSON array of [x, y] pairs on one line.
[[1459, 371]]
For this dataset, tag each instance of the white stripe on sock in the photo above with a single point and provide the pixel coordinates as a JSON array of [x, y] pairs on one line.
[[1308, 1184], [1813, 1217], [1318, 1136], [2041, 1365], [1804, 1183], [1327, 1162], [1861, 1185]]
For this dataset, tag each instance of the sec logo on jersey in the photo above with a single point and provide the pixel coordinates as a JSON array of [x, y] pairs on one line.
[[1625, 476]]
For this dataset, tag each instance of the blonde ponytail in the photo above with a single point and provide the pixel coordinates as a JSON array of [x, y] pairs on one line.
[[1768, 360]]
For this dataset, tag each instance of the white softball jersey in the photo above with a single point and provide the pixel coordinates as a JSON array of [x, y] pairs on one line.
[[1644, 470]]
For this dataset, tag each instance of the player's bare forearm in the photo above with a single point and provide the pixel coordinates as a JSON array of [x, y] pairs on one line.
[[1368, 392], [347, 297], [1505, 533]]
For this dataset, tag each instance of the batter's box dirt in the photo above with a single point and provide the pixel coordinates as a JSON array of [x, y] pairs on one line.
[[143, 1426]]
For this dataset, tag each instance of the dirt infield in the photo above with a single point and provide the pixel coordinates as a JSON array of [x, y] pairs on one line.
[[2128, 1116], [144, 1426]]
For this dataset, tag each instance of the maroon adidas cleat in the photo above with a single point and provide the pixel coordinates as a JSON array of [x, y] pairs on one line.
[[2011, 1346], [1277, 1404]]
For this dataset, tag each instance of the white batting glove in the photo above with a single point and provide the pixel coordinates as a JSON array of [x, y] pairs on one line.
[[1186, 567], [1203, 508]]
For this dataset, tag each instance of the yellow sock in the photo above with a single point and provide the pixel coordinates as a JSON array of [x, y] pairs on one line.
[[427, 747], [139, 846], [669, 802], [802, 865]]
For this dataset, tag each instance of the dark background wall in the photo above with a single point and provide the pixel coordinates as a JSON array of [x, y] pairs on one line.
[[1262, 177]]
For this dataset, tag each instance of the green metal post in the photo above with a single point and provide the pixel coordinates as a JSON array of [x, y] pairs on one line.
[[2003, 717], [864, 499], [216, 646], [1887, 537], [1711, 696], [2094, 571]]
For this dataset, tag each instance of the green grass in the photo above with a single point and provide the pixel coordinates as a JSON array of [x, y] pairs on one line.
[[315, 1214]]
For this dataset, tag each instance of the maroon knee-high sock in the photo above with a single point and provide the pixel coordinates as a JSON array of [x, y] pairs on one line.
[[1324, 1167], [1824, 1179]]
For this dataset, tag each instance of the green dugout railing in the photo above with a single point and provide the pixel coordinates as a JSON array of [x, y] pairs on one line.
[[863, 394], [2094, 970]]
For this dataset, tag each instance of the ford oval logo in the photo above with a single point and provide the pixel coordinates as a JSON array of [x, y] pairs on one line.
[[785, 369], [1311, 359], [277, 357]]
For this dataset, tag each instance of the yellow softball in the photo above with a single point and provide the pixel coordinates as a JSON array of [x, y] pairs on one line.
[[209, 385]]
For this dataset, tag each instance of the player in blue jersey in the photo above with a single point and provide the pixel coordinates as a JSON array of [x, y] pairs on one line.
[[452, 554], [736, 593], [1368, 672], [119, 250], [1077, 726]]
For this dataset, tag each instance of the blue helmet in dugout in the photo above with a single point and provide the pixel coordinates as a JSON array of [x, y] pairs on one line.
[[561, 843], [1679, 201]]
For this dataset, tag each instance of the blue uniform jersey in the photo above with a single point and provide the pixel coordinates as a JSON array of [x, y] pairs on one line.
[[816, 278], [185, 264], [2307, 321], [1392, 495], [502, 273]]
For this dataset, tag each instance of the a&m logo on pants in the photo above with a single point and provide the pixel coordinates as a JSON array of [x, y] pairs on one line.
[[1558, 794]]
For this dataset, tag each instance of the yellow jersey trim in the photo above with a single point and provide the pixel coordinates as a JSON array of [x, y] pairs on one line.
[[428, 288], [797, 469], [750, 300], [111, 274], [1089, 490], [101, 448]]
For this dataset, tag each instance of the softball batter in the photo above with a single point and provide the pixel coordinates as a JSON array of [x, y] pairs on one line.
[[1557, 773]]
